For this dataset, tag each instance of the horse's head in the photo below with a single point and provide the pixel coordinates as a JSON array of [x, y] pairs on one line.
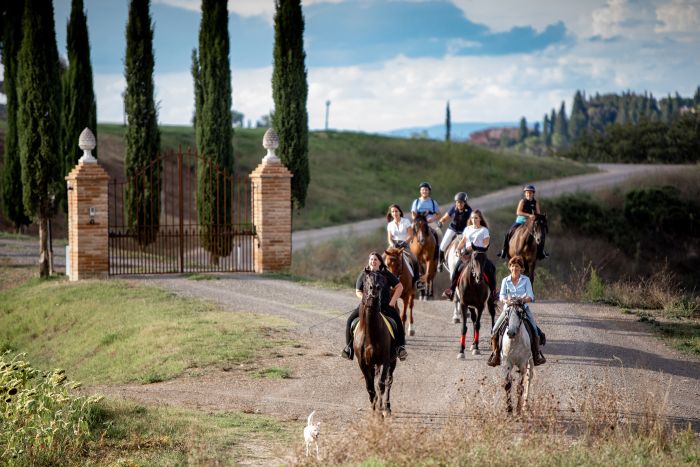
[[420, 228], [540, 228], [394, 260], [515, 310], [372, 289]]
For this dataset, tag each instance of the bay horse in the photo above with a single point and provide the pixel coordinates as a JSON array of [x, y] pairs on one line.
[[395, 261], [474, 293], [452, 257], [373, 344], [516, 353], [525, 240], [423, 246]]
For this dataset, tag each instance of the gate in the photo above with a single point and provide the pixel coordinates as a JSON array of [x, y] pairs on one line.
[[164, 234]]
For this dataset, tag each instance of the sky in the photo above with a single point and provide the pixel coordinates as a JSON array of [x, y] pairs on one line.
[[388, 64]]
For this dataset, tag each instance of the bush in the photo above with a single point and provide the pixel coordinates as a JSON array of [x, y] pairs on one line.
[[43, 423]]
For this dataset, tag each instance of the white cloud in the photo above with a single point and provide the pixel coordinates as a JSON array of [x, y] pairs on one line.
[[678, 16], [245, 8]]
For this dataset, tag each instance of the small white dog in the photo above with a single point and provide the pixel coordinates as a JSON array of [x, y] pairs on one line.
[[311, 433]]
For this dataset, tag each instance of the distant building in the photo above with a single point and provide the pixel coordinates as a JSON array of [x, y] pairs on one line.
[[494, 137]]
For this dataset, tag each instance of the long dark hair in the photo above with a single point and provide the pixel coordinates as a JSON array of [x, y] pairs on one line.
[[389, 217], [481, 216], [382, 266]]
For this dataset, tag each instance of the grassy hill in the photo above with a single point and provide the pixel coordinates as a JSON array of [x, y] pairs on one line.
[[355, 176]]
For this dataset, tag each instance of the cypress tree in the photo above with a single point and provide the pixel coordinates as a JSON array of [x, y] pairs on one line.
[[546, 135], [142, 165], [79, 109], [552, 119], [561, 133], [11, 182], [448, 123], [213, 126], [289, 92], [579, 117], [522, 131], [39, 95]]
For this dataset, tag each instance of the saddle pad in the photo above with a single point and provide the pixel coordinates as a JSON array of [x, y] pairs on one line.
[[390, 324]]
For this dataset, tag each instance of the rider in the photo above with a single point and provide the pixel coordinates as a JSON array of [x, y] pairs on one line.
[[517, 285], [475, 238], [527, 207], [399, 234], [459, 213], [429, 208], [376, 263]]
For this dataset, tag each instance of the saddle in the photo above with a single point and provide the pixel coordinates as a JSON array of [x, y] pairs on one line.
[[390, 325], [497, 336]]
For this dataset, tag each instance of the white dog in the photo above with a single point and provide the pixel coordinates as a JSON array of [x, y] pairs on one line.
[[311, 433]]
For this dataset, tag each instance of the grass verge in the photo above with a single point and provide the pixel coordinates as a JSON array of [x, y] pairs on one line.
[[114, 332]]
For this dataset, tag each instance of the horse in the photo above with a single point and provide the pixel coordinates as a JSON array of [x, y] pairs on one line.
[[396, 262], [525, 240], [452, 257], [516, 353], [474, 292], [423, 246], [373, 344]]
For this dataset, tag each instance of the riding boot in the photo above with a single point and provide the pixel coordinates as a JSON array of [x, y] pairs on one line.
[[347, 352], [495, 357], [537, 355], [441, 260], [502, 253]]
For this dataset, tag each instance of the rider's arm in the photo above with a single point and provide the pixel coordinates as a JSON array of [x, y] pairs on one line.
[[389, 240], [358, 292], [398, 290], [444, 218], [519, 211]]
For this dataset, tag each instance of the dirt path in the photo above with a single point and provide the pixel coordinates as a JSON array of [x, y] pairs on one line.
[[586, 344]]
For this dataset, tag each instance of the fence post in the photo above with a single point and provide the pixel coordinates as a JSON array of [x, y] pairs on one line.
[[272, 210], [88, 215]]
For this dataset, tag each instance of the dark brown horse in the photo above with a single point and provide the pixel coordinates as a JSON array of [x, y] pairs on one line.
[[396, 263], [474, 293], [525, 241], [373, 344], [423, 246]]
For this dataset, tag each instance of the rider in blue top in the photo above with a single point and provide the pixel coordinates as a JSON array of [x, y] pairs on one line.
[[430, 209], [527, 207]]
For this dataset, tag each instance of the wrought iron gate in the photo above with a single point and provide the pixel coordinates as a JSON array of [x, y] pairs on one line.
[[169, 233]]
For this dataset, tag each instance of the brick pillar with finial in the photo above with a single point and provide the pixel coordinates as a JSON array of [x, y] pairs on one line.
[[272, 210], [88, 237]]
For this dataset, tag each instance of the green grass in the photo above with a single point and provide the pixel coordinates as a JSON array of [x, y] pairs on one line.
[[355, 176], [126, 433], [274, 373], [113, 332]]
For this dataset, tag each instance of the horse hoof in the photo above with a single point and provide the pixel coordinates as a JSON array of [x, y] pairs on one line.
[[386, 413], [476, 352], [460, 356], [411, 331], [471, 347], [455, 320]]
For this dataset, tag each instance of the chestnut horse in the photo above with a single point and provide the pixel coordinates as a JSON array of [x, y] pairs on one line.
[[474, 293], [396, 262], [373, 344], [525, 240], [423, 245]]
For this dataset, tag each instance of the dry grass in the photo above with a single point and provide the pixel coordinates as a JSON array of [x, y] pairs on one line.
[[601, 428]]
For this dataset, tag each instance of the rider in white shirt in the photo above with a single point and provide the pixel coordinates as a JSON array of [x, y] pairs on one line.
[[399, 232]]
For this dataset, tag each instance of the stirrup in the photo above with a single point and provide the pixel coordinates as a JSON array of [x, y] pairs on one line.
[[401, 353], [420, 285], [448, 293], [539, 359], [494, 359], [347, 352]]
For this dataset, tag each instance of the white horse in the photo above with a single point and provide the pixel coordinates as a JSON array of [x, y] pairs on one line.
[[452, 259], [516, 353]]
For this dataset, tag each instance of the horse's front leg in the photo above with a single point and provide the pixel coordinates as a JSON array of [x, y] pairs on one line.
[[527, 380], [463, 336], [368, 372], [408, 310], [385, 389], [522, 391], [507, 385], [476, 322]]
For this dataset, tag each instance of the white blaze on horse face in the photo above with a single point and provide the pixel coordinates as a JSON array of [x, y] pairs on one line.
[[513, 322]]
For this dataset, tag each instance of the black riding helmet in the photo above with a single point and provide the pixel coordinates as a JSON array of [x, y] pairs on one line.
[[426, 185], [461, 196], [529, 188]]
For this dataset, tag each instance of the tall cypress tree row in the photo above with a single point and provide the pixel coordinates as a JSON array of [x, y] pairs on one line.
[[213, 127], [448, 123], [11, 182], [289, 92], [79, 110], [522, 130], [546, 133], [142, 166], [39, 95], [560, 135], [579, 117]]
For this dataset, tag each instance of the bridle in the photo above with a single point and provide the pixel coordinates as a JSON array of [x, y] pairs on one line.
[[420, 227], [399, 258]]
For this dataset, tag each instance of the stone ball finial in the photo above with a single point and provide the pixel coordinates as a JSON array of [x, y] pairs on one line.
[[86, 142], [271, 142]]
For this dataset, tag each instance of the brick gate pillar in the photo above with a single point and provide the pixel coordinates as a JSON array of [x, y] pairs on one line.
[[272, 210], [87, 215]]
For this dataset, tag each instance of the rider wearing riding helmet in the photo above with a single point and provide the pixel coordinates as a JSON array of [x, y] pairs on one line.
[[459, 213], [388, 300], [527, 207], [399, 235], [517, 285], [475, 238], [429, 208]]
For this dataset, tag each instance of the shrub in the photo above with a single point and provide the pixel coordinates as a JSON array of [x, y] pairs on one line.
[[43, 423], [595, 289]]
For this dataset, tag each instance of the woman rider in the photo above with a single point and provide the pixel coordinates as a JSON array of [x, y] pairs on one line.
[[476, 237], [399, 234], [459, 213], [376, 263], [527, 207], [517, 285]]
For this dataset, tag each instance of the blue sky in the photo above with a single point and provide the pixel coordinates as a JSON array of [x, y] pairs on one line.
[[388, 64]]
